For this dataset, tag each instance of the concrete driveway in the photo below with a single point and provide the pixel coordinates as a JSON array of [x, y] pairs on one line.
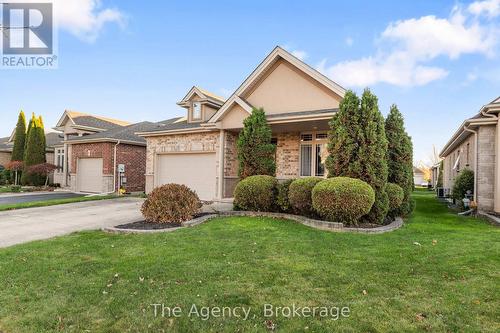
[[13, 198], [25, 225]]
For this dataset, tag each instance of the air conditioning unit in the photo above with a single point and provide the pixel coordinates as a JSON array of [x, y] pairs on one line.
[[440, 192]]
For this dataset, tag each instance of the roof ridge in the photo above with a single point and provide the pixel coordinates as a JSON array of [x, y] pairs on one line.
[[76, 114]]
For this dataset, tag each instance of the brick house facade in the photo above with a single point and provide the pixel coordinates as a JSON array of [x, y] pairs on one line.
[[132, 156]]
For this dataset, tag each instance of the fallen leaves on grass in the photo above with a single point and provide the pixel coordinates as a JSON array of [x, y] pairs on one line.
[[417, 244]]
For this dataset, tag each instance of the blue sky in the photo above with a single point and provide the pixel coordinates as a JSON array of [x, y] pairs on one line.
[[132, 60]]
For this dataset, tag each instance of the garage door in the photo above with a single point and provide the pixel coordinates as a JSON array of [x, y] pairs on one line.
[[89, 175], [196, 171]]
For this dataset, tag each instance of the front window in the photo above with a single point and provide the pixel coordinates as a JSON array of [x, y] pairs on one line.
[[313, 154], [196, 110]]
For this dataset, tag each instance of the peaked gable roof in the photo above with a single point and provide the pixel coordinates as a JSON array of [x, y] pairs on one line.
[[127, 134], [204, 94], [88, 120], [277, 54]]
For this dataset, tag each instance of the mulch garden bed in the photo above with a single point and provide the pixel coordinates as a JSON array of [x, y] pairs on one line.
[[144, 225]]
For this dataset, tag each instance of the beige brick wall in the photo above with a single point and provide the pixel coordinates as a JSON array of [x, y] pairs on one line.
[[467, 154], [4, 158], [287, 155], [486, 168]]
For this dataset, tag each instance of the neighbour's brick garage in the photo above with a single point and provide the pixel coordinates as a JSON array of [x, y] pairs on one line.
[[132, 156]]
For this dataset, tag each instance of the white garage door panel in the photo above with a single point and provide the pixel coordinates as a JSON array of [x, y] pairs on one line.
[[89, 175], [197, 171]]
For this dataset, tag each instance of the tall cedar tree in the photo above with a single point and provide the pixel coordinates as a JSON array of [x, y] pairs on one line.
[[28, 129], [400, 157], [357, 148], [256, 153], [34, 153], [41, 128], [19, 138]]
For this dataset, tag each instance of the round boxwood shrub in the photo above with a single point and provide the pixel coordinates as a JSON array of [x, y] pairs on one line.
[[256, 193], [395, 194], [299, 194], [282, 196], [343, 199], [170, 203]]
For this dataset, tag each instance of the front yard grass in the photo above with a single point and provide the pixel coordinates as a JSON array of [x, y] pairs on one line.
[[53, 202], [439, 273]]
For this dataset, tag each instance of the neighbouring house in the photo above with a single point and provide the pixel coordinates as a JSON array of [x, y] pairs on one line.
[[475, 146], [76, 125], [199, 148], [106, 161], [53, 140], [435, 169], [419, 177]]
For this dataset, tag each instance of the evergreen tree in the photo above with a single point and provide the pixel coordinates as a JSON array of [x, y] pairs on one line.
[[255, 151], [400, 157], [34, 153], [357, 148], [19, 138], [28, 129], [41, 129]]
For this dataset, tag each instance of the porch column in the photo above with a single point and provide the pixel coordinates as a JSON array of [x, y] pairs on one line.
[[220, 184]]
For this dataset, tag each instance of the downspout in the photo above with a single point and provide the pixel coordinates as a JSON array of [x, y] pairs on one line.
[[476, 140]]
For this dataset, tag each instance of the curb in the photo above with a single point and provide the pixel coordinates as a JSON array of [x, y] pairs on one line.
[[316, 224]]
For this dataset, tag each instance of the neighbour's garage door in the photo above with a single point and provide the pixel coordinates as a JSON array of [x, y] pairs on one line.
[[89, 175], [195, 170]]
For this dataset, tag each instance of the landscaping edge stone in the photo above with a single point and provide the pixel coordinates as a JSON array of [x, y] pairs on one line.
[[317, 224]]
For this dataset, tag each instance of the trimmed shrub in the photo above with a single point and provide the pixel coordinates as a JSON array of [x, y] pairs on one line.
[[396, 196], [299, 194], [256, 193], [282, 196], [343, 199], [170, 204], [463, 182]]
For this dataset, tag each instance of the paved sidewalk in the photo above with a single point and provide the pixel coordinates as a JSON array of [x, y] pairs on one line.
[[25, 225]]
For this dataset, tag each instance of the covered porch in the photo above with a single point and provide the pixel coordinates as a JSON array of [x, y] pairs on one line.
[[300, 150]]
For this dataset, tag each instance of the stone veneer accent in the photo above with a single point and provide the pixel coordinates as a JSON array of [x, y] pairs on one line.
[[486, 168], [193, 142]]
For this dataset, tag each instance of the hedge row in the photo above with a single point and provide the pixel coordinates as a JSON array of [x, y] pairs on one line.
[[339, 199]]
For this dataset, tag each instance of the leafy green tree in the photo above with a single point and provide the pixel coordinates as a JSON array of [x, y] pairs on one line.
[[34, 153], [256, 153], [440, 175], [28, 129], [357, 148], [19, 138], [400, 157]]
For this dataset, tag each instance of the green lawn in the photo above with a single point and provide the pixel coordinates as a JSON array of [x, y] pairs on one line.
[[98, 282], [53, 202]]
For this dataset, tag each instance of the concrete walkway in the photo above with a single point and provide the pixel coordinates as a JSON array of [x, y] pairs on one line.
[[25, 225]]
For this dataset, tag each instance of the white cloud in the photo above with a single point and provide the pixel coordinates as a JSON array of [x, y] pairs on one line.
[[406, 47], [86, 18], [83, 18], [490, 8]]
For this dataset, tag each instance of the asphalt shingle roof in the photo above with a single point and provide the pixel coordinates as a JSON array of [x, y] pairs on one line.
[[126, 133], [95, 122], [173, 124]]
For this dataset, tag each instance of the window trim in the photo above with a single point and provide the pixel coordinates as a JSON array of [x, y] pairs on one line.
[[313, 143], [192, 111]]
